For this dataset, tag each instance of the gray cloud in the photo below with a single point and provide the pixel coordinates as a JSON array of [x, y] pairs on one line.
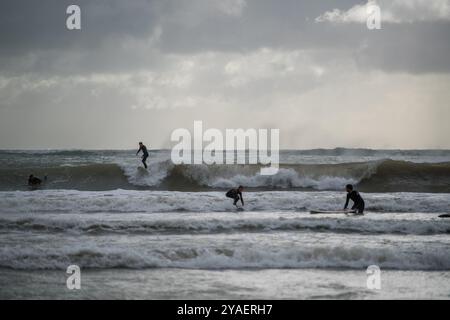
[[122, 36], [139, 69]]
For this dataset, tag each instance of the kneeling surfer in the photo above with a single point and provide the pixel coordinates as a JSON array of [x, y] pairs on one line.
[[358, 202]]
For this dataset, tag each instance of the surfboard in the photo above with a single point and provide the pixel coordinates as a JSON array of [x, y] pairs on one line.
[[330, 212], [239, 209], [445, 215]]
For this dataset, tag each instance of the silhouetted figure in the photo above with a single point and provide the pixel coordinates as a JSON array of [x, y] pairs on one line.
[[143, 148], [236, 195], [34, 181], [358, 202]]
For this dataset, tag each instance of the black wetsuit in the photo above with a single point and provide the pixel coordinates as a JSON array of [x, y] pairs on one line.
[[33, 181], [358, 204], [144, 154], [236, 195]]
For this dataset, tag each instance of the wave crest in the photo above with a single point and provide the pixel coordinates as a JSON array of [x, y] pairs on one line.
[[372, 176]]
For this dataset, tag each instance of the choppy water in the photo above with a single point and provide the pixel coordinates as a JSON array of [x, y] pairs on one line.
[[116, 222]]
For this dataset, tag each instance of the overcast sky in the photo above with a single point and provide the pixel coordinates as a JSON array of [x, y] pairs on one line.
[[139, 69]]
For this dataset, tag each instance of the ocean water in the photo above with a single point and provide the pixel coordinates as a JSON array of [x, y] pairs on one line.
[[170, 233]]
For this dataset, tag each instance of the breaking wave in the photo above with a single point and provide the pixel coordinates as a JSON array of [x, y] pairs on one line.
[[206, 225], [220, 256], [372, 176]]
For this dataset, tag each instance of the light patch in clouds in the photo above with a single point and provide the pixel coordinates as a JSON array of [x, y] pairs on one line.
[[392, 11], [269, 65], [202, 80], [232, 7]]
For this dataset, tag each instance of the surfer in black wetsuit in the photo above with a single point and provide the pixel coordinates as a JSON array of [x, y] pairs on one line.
[[34, 181], [144, 153], [236, 195], [358, 202]]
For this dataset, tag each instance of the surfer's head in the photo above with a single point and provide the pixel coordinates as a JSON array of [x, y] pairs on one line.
[[349, 188], [240, 188], [140, 143]]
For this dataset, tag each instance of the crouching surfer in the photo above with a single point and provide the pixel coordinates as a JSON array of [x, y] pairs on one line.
[[236, 195], [358, 202]]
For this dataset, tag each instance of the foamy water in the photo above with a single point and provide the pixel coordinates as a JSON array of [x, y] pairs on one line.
[[175, 221], [225, 240]]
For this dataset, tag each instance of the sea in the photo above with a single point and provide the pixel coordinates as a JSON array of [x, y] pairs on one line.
[[169, 232]]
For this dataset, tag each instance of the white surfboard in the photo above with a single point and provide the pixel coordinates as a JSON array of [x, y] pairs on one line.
[[330, 212]]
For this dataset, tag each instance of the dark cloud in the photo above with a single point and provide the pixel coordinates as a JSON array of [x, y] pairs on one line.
[[115, 34], [38, 25]]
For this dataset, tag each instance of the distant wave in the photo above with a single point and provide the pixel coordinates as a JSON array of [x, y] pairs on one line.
[[371, 176], [364, 152], [361, 152]]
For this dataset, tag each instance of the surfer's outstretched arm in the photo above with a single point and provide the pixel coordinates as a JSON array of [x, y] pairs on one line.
[[346, 202]]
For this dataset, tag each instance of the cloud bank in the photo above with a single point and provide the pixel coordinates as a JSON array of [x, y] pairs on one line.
[[140, 69]]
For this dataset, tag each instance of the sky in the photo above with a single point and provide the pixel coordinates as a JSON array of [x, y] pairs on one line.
[[139, 69]]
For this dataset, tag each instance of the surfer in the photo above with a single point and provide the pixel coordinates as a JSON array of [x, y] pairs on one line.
[[143, 148], [34, 181], [358, 202], [236, 195]]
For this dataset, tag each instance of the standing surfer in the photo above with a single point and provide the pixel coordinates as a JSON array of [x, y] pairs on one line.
[[143, 148]]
